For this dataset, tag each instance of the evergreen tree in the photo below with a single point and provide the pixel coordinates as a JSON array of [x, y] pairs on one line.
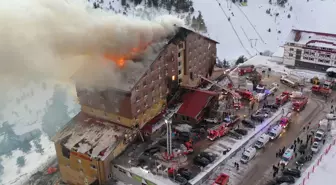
[[38, 146], [21, 161], [188, 19], [194, 23], [123, 2], [240, 60], [56, 115], [25, 147], [201, 24]]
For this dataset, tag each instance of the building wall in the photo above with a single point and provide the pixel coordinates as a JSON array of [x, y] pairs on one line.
[[200, 56], [76, 169], [321, 58], [128, 177]]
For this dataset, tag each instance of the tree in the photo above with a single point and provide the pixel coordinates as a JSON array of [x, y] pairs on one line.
[[194, 23], [25, 147], [289, 16], [291, 8], [56, 115], [188, 19], [201, 23], [38, 146], [21, 161], [240, 60], [123, 2]]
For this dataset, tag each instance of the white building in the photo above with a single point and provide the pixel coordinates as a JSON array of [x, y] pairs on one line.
[[278, 55], [304, 48]]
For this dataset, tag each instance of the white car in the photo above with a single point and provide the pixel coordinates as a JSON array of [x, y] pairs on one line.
[[316, 147]]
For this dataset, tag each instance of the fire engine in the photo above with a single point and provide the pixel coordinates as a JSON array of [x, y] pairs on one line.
[[244, 69], [245, 94], [286, 120], [323, 89], [282, 98], [222, 179], [217, 131], [236, 100], [299, 103]]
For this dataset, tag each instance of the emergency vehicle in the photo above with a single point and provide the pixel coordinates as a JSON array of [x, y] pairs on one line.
[[289, 82], [236, 100], [282, 98], [222, 179], [287, 156], [286, 120], [299, 103], [323, 89], [217, 131], [245, 94], [245, 69]]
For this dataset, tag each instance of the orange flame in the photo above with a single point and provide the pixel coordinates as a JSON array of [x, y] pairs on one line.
[[120, 60]]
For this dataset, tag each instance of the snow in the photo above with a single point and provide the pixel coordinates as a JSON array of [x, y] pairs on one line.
[[305, 15], [265, 61], [279, 52], [331, 69], [24, 109]]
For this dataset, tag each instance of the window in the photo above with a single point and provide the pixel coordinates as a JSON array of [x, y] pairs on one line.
[[291, 49], [191, 76], [144, 83], [179, 72], [180, 45], [179, 63], [179, 54], [291, 44], [291, 54], [65, 152], [180, 80], [92, 166]]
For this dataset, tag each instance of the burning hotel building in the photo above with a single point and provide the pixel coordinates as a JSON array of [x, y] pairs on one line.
[[110, 120]]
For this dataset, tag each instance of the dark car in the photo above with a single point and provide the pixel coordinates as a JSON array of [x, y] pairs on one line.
[[180, 180], [235, 135], [210, 156], [286, 178], [201, 161], [271, 182], [185, 173], [257, 117], [292, 172], [248, 123], [241, 131], [272, 106], [301, 160], [302, 148], [152, 151]]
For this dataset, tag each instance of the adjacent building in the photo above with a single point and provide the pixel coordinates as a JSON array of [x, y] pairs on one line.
[[110, 119], [304, 48]]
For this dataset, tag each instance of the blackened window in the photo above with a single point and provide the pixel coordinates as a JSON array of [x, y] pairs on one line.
[[65, 152], [191, 76]]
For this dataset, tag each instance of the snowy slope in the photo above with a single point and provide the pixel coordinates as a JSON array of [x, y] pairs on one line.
[[312, 15]]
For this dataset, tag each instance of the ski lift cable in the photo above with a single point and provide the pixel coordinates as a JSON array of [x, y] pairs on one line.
[[227, 17]]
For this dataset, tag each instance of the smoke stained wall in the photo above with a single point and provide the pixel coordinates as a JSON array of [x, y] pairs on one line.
[[54, 38]]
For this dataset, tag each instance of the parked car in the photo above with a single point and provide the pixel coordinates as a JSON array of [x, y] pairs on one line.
[[201, 161], [235, 135], [271, 182], [151, 151], [257, 117], [292, 172], [316, 146], [241, 131], [210, 156], [272, 106], [301, 160], [248, 123], [185, 173], [180, 180], [285, 179], [302, 148]]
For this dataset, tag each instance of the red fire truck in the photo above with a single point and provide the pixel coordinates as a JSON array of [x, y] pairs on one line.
[[323, 89], [282, 98], [299, 103], [222, 179], [245, 94], [244, 69], [286, 120], [217, 131]]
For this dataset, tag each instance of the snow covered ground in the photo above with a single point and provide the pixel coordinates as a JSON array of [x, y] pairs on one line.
[[310, 15], [25, 109]]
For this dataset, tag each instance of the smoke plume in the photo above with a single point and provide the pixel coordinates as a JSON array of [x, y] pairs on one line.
[[54, 38]]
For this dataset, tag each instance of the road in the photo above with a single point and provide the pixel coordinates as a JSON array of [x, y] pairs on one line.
[[259, 171]]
